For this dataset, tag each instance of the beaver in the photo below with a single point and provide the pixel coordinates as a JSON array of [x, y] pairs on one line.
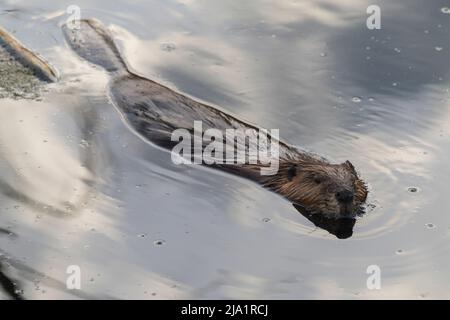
[[154, 111]]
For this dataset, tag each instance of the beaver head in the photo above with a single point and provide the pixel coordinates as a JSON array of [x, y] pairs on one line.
[[334, 190]]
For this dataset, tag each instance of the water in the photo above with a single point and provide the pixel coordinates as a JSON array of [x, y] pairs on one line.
[[78, 188]]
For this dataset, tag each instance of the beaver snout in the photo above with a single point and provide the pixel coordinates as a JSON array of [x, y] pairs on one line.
[[345, 196]]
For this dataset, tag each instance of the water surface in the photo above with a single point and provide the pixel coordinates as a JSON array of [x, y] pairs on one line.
[[78, 188]]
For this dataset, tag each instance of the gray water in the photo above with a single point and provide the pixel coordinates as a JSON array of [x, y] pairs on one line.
[[77, 187]]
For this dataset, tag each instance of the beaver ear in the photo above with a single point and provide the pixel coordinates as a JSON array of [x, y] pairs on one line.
[[350, 166], [292, 172]]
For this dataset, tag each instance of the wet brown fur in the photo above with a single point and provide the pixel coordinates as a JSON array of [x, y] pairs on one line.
[[312, 183]]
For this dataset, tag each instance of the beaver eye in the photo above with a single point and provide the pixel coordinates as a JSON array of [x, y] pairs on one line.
[[319, 179], [292, 172]]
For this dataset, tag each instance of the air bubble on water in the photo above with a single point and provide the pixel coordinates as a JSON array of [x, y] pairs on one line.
[[438, 48], [413, 189], [142, 235], [394, 84], [168, 47], [369, 207], [83, 144], [356, 99], [397, 50], [159, 242], [430, 225]]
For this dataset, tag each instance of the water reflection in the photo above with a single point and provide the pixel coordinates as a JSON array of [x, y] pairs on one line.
[[9, 286], [341, 228], [291, 65]]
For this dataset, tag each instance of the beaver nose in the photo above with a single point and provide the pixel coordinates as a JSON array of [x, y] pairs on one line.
[[344, 196]]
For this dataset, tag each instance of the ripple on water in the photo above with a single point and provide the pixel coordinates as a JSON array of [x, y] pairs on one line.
[[168, 47], [159, 242]]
